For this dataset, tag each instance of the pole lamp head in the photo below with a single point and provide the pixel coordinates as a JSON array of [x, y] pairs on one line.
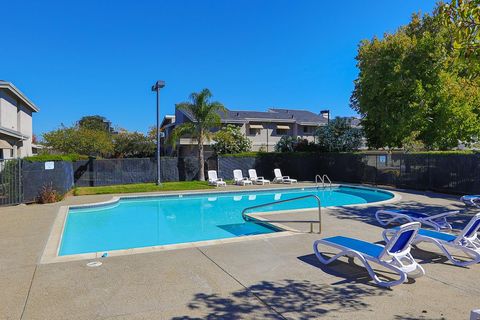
[[158, 85]]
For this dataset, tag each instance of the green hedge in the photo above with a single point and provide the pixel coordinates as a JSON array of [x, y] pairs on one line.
[[56, 157]]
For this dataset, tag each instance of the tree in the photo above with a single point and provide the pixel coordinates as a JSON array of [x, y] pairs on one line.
[[291, 144], [230, 140], [95, 123], [339, 136], [463, 18], [79, 140], [205, 116], [132, 145], [285, 144], [412, 81]]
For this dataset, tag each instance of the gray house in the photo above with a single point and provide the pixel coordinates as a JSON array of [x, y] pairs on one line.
[[264, 129], [16, 132]]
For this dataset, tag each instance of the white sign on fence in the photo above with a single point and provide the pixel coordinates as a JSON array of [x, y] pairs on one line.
[[49, 165]]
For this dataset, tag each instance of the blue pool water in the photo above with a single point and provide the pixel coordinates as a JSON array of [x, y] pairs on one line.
[[145, 222]]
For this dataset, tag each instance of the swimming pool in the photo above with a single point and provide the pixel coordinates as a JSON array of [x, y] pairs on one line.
[[162, 220]]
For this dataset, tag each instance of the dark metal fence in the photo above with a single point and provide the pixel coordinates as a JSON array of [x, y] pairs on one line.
[[132, 170], [37, 175], [21, 181], [11, 182], [450, 173]]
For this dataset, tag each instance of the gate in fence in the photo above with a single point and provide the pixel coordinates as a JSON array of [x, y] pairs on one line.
[[11, 191]]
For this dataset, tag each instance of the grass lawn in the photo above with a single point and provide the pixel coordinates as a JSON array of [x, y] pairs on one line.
[[143, 187]]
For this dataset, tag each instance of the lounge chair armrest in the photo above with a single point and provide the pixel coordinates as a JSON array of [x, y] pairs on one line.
[[286, 177], [387, 234], [260, 178], [442, 215]]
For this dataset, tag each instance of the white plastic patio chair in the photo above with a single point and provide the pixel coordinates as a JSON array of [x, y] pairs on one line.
[[395, 255], [239, 179], [214, 180], [279, 178], [252, 173], [436, 221], [467, 241]]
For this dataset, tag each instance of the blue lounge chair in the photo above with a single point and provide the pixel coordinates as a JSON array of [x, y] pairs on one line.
[[471, 200], [395, 255], [437, 221], [467, 241]]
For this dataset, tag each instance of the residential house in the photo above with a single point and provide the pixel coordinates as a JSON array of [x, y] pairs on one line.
[[16, 112], [264, 129]]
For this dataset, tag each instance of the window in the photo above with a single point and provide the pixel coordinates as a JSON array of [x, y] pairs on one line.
[[254, 129], [308, 130], [282, 130]]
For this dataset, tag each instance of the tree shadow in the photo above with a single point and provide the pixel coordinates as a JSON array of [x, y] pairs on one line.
[[351, 272], [299, 299], [367, 214]]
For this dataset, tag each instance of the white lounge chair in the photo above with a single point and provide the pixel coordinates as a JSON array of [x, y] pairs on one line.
[[239, 179], [467, 241], [437, 221], [252, 173], [395, 255], [472, 200], [213, 180], [279, 178]]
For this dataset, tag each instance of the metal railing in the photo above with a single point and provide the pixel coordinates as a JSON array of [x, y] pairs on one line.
[[246, 217], [317, 178], [323, 179]]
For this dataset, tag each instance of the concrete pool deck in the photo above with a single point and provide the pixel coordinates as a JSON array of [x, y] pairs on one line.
[[271, 278]]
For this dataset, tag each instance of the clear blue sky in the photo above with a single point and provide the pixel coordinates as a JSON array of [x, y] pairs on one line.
[[76, 58]]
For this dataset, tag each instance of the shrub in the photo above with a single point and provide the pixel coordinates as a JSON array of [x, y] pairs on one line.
[[231, 140], [285, 144], [291, 144], [48, 194]]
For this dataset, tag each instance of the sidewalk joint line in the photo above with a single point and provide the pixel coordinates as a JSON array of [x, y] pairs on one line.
[[238, 281]]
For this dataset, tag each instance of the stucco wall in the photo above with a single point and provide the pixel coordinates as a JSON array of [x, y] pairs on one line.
[[8, 111], [16, 116]]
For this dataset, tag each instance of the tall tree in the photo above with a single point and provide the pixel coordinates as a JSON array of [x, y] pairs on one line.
[[79, 140], [132, 145], [412, 84], [95, 123], [463, 18], [206, 116]]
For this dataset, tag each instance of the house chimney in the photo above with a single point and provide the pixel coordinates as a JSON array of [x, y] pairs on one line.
[[325, 114]]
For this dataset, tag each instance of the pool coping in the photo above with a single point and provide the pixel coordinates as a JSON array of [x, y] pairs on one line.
[[52, 247]]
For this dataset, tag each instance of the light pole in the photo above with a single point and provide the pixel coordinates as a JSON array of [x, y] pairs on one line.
[[156, 87]]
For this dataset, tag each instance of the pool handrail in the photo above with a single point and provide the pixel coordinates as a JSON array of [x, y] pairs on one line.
[[322, 178], [319, 177], [245, 217], [325, 177]]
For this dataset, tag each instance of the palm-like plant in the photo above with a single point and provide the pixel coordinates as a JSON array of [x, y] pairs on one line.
[[205, 116]]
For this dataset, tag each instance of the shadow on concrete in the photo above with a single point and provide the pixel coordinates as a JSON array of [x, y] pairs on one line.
[[367, 214], [299, 299], [419, 317], [350, 272]]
